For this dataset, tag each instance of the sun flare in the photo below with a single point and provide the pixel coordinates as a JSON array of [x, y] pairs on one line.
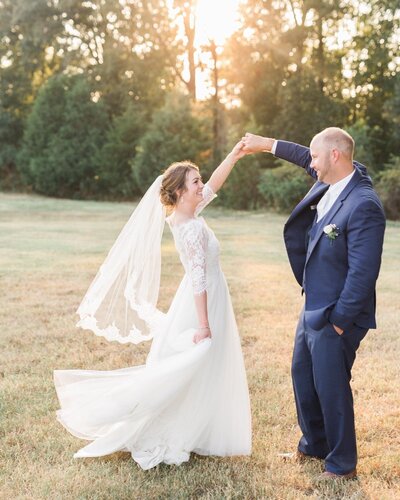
[[216, 20]]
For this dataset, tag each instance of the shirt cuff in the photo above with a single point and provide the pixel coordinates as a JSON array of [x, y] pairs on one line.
[[273, 149]]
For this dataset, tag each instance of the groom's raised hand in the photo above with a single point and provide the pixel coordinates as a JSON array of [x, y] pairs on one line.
[[256, 143]]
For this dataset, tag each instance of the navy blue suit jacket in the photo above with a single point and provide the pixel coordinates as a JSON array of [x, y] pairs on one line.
[[338, 276]]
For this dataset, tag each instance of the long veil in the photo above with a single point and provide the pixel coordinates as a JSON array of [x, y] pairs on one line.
[[120, 304]]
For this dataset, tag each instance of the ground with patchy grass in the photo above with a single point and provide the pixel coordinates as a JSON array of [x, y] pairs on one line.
[[49, 252]]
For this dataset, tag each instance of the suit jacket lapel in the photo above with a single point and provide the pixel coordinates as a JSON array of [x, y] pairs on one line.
[[332, 212], [317, 191]]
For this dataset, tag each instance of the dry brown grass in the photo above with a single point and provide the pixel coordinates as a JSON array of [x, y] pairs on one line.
[[49, 252]]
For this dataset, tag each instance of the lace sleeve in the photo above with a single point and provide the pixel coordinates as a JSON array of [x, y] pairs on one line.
[[208, 196], [194, 242]]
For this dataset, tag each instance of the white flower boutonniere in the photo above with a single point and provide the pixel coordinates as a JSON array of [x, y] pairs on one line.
[[332, 232]]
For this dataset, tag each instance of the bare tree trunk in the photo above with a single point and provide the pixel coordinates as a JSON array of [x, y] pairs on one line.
[[189, 20], [217, 128], [321, 55]]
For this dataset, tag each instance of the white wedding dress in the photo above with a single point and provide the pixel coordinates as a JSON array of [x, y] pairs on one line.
[[187, 397]]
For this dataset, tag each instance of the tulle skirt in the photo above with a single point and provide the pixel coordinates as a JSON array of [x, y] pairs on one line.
[[186, 398]]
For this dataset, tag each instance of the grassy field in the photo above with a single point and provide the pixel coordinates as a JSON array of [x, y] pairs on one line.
[[49, 252]]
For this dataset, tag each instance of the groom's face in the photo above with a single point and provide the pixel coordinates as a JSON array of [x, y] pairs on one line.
[[321, 160]]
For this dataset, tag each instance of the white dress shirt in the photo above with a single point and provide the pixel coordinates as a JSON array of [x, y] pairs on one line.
[[331, 195]]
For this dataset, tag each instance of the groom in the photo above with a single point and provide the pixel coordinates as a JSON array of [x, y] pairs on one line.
[[334, 239]]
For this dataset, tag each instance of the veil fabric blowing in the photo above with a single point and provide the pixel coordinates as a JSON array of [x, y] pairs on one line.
[[120, 304]]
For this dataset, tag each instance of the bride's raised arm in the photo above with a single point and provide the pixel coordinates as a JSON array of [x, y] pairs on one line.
[[221, 173]]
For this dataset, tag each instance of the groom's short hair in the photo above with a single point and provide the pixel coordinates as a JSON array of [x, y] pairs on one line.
[[337, 138]]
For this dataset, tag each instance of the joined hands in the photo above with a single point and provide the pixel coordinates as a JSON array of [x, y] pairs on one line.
[[253, 143], [249, 144]]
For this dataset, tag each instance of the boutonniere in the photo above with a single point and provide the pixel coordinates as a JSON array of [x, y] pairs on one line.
[[332, 232]]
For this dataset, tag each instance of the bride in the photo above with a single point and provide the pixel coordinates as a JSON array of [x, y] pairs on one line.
[[192, 394]]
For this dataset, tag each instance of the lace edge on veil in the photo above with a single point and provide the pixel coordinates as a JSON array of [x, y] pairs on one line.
[[112, 332], [129, 279]]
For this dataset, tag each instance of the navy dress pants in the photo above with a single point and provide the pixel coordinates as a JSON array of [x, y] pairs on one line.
[[321, 374]]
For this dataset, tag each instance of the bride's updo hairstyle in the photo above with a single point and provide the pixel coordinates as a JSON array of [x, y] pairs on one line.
[[174, 180]]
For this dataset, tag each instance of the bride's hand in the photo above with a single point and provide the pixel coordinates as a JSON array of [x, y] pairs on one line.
[[201, 334], [237, 151]]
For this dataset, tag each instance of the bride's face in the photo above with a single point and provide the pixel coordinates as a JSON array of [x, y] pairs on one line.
[[194, 187]]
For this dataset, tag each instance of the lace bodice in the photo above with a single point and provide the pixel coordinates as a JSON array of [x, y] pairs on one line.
[[197, 245]]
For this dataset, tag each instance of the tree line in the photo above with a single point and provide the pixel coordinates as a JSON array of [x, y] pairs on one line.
[[97, 97]]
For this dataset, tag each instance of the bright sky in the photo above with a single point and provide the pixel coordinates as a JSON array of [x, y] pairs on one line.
[[216, 19]]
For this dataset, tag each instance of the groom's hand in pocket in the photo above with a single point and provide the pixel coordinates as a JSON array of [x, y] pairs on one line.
[[339, 331]]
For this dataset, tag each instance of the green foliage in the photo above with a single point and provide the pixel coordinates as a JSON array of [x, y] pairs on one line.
[[27, 28], [388, 187], [285, 65], [392, 114], [115, 177], [64, 133], [283, 187], [306, 110], [292, 81], [125, 49], [175, 134], [374, 47], [363, 150], [11, 130], [240, 190]]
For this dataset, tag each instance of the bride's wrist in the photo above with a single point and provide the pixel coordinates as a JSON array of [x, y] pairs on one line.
[[232, 157]]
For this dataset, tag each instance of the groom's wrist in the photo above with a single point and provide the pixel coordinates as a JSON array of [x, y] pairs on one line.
[[268, 145], [339, 320]]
